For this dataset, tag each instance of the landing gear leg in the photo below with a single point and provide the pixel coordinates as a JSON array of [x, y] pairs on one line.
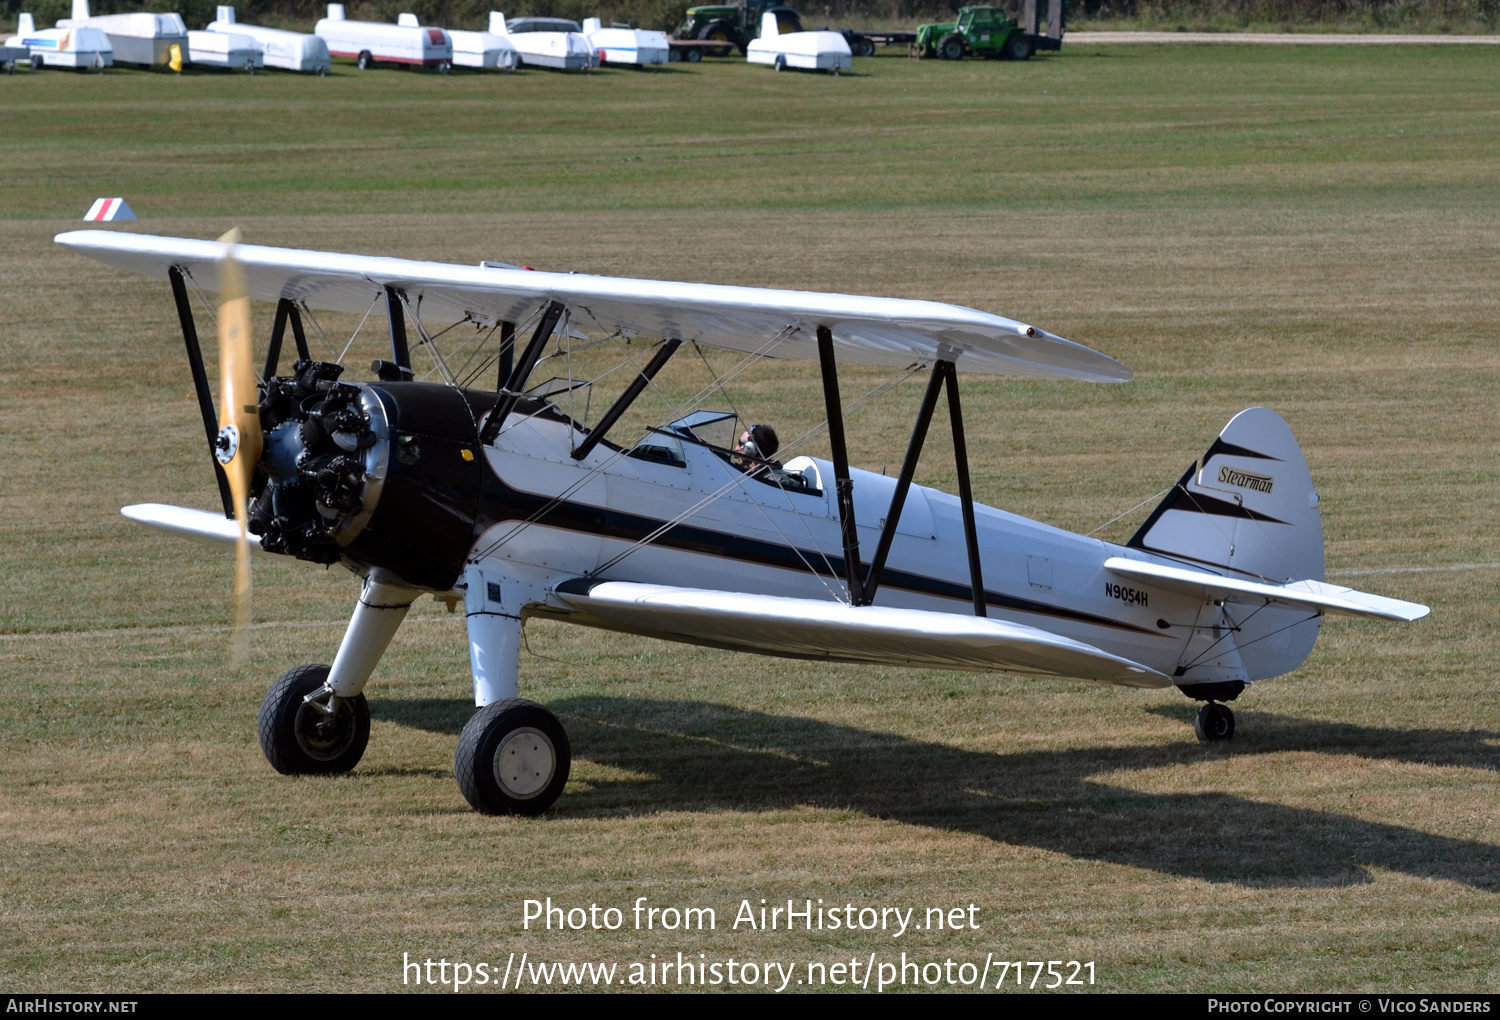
[[513, 756], [1215, 723], [314, 719]]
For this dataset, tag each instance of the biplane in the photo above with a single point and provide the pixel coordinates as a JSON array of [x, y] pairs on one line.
[[480, 485]]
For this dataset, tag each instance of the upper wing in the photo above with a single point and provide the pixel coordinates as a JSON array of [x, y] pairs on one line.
[[1315, 595], [776, 323], [814, 629]]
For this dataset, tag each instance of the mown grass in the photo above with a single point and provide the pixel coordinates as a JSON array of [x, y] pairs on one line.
[[1315, 231]]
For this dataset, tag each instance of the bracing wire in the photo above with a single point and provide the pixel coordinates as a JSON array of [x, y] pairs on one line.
[[340, 359], [1149, 499], [316, 325]]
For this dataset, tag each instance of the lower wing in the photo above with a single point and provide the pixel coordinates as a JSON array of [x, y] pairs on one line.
[[815, 629]]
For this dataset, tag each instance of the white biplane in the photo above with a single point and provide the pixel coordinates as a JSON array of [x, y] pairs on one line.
[[495, 496]]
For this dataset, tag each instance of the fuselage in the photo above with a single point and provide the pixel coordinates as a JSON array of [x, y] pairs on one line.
[[674, 511]]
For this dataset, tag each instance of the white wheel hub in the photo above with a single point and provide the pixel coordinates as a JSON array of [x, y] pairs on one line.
[[525, 763]]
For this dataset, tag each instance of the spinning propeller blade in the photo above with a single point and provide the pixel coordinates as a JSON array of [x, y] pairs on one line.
[[239, 444]]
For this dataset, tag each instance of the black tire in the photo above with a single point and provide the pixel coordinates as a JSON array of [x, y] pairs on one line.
[[299, 740], [1215, 724], [780, 63], [37, 63], [864, 48], [514, 732], [951, 46], [693, 55], [721, 31], [366, 61], [1018, 47]]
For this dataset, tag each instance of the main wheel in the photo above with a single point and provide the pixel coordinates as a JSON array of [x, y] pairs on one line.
[[301, 738], [1215, 723], [1018, 47], [866, 48], [366, 60], [37, 63], [780, 64], [693, 55], [951, 47], [512, 759]]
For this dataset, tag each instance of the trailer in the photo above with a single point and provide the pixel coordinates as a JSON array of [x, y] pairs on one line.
[[60, 47], [546, 42], [862, 44], [804, 51], [370, 43], [233, 51], [290, 51], [141, 38], [482, 50], [693, 50], [10, 56], [635, 46]]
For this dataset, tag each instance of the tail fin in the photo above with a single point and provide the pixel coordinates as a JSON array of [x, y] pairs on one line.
[[768, 27], [226, 15], [592, 25], [25, 26], [497, 24], [335, 12], [1248, 505], [408, 21], [80, 10]]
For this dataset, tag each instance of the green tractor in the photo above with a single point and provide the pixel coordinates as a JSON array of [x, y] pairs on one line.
[[981, 31], [735, 25]]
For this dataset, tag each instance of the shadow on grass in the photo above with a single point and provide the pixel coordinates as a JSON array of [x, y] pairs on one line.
[[708, 757]]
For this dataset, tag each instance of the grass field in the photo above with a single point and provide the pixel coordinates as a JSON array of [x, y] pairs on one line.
[[1314, 231]]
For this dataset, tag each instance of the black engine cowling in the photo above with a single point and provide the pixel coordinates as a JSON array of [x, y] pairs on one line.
[[387, 474], [323, 460]]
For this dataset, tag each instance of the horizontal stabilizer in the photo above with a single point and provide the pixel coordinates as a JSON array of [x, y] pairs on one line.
[[1315, 595], [199, 525], [816, 629]]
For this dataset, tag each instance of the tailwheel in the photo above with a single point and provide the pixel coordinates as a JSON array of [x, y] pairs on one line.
[[305, 730], [512, 759], [1215, 723]]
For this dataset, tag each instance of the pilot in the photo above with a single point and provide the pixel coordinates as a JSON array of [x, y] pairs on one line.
[[757, 441]]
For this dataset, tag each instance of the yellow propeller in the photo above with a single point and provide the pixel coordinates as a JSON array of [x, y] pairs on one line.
[[238, 447]]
